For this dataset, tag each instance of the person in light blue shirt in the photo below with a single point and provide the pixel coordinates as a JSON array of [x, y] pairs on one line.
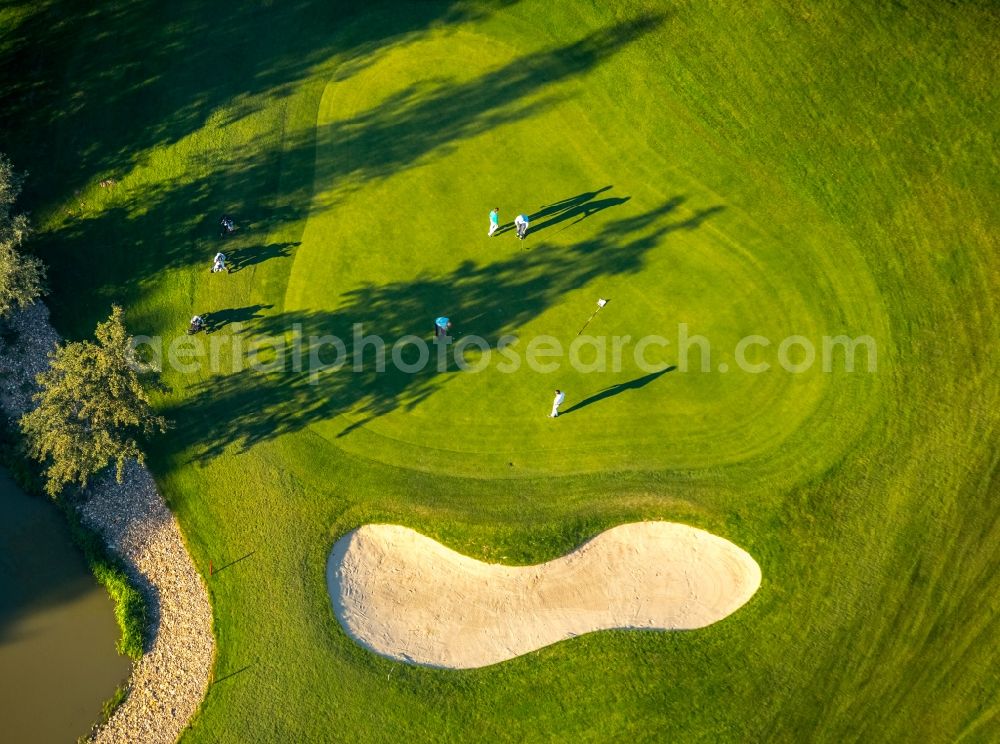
[[441, 326], [494, 221]]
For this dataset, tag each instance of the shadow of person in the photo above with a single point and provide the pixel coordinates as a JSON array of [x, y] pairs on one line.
[[569, 203], [576, 208], [252, 255], [564, 205], [221, 318], [610, 392], [580, 206]]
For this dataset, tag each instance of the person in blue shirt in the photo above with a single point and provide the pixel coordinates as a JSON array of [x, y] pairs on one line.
[[494, 221], [441, 326]]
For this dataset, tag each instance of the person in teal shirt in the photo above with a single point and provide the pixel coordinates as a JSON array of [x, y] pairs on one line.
[[494, 221], [441, 326]]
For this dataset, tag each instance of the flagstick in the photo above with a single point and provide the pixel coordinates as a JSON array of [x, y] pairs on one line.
[[600, 304], [588, 321]]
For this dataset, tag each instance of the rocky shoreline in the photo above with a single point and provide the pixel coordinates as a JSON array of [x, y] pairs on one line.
[[170, 680]]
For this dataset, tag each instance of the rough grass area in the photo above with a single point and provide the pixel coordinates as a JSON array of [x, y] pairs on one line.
[[742, 168]]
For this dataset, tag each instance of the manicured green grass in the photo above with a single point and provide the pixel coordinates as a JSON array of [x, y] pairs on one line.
[[774, 170]]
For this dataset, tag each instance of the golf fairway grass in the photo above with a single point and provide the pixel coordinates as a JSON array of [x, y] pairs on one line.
[[767, 170]]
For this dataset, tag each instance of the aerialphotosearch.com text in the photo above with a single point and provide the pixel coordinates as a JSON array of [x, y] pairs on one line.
[[318, 355]]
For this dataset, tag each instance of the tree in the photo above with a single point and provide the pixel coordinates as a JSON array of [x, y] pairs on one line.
[[92, 409], [22, 278]]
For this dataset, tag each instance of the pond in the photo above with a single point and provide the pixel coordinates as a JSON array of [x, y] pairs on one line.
[[58, 662]]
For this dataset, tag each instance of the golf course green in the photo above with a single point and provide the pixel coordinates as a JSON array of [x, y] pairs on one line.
[[729, 170]]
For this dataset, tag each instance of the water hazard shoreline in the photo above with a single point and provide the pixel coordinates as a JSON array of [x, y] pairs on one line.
[[58, 635]]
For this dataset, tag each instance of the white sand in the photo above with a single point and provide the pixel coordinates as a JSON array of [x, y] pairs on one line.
[[406, 596]]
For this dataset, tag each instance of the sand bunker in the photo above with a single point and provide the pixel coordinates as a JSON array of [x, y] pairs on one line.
[[406, 596]]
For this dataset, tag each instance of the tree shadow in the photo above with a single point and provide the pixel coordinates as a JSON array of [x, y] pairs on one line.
[[695, 221], [145, 74], [267, 183], [429, 117], [244, 258], [610, 392], [254, 405]]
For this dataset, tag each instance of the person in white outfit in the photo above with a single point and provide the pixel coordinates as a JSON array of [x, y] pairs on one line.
[[220, 263], [556, 402], [521, 223]]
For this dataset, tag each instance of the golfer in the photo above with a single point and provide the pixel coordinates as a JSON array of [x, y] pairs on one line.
[[494, 221], [521, 223], [556, 402], [441, 326], [220, 263]]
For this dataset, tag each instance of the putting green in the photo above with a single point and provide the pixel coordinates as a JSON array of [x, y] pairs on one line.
[[668, 250]]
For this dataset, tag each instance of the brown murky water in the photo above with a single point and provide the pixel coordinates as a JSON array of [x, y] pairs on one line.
[[58, 661]]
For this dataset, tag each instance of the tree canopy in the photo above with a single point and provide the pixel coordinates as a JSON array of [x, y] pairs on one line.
[[22, 277], [93, 408]]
